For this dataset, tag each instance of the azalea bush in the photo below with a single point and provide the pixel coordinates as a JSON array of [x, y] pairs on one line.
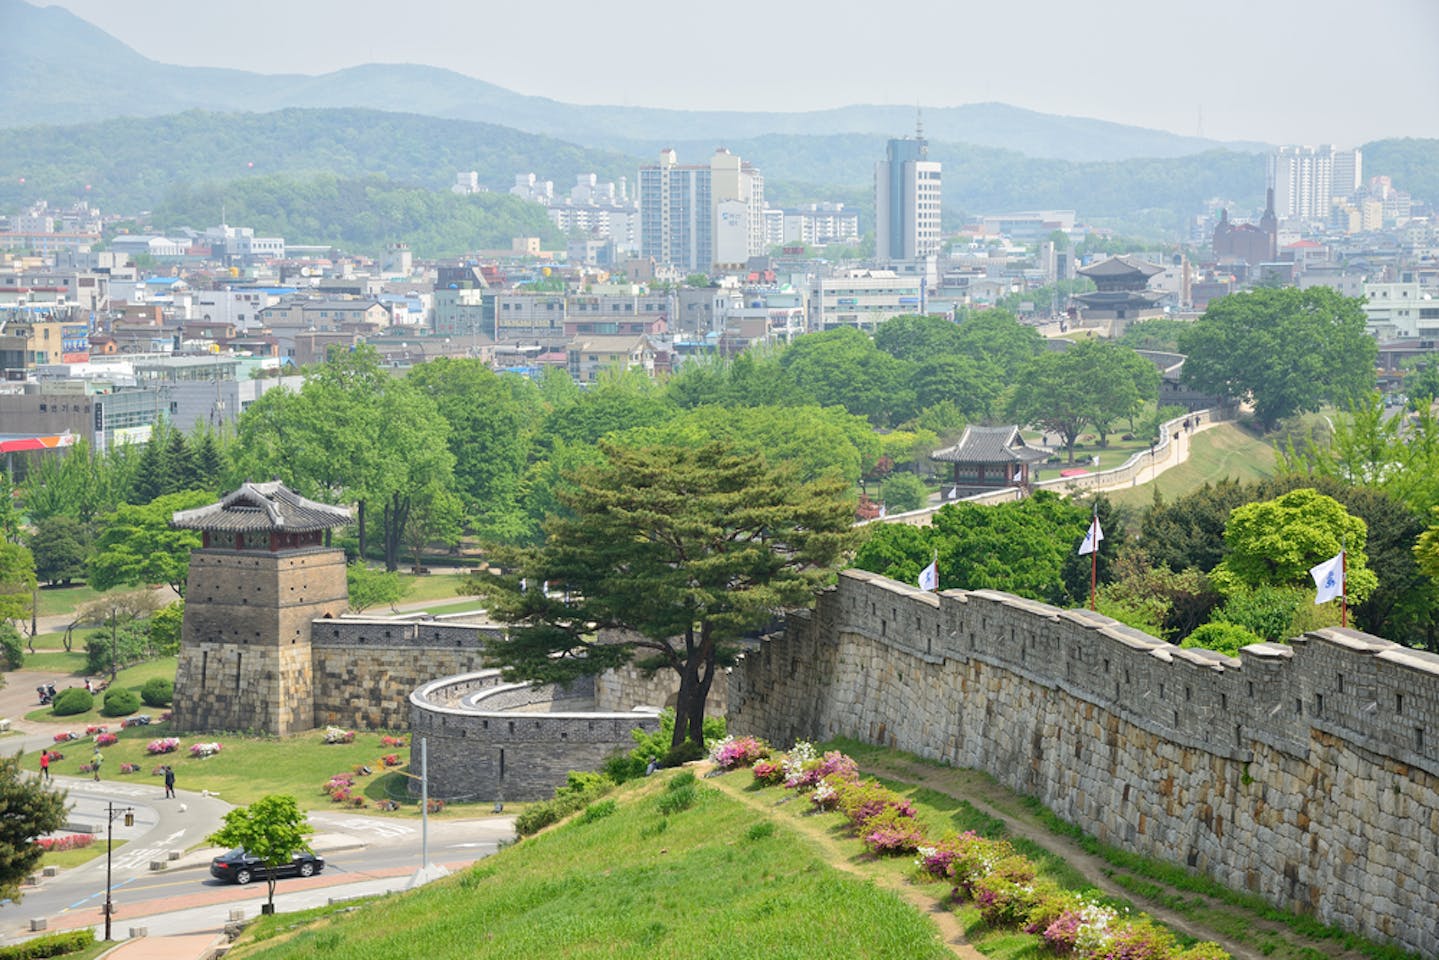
[[106, 739], [768, 773], [389, 741], [733, 752], [69, 841], [391, 759], [129, 768], [162, 745], [339, 735], [66, 736], [200, 751], [93, 729]]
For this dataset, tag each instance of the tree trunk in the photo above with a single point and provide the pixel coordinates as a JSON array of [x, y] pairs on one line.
[[397, 512], [695, 680], [360, 514]]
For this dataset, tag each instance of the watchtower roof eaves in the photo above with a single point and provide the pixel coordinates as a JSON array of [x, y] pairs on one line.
[[262, 507], [990, 445]]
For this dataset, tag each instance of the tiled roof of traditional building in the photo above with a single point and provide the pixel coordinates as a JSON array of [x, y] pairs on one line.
[[255, 507], [990, 445]]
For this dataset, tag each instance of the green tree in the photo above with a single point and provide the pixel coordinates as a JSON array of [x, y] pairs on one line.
[[1189, 532], [1421, 382], [685, 549], [620, 400], [754, 378], [1024, 548], [971, 386], [117, 611], [17, 582], [918, 338], [165, 628], [1286, 350], [32, 809], [492, 420], [1051, 394], [9, 512], [999, 342], [371, 588], [1222, 636], [12, 648], [59, 546], [272, 829], [1276, 542], [138, 545], [209, 461], [903, 492], [435, 516], [843, 366], [1156, 333], [352, 433], [79, 483]]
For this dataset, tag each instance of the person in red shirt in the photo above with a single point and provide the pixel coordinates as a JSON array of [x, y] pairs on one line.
[[44, 764]]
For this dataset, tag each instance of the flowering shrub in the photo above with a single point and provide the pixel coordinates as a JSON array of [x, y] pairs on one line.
[[861, 802], [800, 755], [391, 759], [129, 768], [203, 750], [435, 806], [94, 728], [163, 745], [337, 735], [825, 794], [139, 720], [389, 741], [66, 737], [892, 831], [768, 772], [87, 768], [106, 739], [70, 841], [732, 752]]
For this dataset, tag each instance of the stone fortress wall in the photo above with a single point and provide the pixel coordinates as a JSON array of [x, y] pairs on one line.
[[365, 669], [488, 739], [1306, 773]]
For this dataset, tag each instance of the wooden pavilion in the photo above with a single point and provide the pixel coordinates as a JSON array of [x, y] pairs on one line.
[[989, 458]]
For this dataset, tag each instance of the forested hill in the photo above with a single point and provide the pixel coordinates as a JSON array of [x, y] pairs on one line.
[[132, 164], [141, 164]]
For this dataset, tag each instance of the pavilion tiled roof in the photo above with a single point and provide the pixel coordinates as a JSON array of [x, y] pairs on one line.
[[990, 445], [263, 507]]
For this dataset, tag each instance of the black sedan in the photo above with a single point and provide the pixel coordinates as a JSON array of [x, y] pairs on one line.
[[237, 866]]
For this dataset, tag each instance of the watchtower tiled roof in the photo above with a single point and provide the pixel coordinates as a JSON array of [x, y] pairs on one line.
[[263, 507], [990, 445]]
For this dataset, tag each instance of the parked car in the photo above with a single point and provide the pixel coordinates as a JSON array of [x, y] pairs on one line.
[[237, 866]]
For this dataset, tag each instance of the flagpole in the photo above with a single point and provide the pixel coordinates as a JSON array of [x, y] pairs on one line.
[[1343, 584], [1093, 557]]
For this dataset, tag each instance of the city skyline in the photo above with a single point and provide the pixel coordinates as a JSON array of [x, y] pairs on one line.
[[1229, 71]]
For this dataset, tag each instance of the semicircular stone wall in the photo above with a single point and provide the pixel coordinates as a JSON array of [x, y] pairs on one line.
[[492, 740]]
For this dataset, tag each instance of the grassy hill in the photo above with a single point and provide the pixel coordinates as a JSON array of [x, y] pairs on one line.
[[710, 882]]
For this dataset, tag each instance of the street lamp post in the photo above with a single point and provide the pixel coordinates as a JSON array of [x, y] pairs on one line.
[[129, 815]]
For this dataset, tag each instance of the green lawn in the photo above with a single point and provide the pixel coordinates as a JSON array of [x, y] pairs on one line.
[[132, 678], [1224, 451], [433, 586], [58, 600], [697, 883]]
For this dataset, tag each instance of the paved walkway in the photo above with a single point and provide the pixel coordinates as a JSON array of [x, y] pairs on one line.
[[194, 946]]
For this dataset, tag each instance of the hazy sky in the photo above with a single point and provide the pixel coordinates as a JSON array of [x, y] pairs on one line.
[[1310, 71]]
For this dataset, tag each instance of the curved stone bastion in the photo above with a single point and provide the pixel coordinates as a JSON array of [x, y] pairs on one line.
[[488, 739]]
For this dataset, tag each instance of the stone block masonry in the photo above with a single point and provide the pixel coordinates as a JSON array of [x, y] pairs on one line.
[[491, 740], [1306, 773]]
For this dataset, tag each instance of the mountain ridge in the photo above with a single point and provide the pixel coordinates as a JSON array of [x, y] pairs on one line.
[[56, 64]]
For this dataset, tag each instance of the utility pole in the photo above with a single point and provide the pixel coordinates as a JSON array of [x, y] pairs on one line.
[[129, 815]]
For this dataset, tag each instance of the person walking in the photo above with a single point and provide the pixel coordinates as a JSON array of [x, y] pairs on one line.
[[95, 762], [169, 781], [44, 764]]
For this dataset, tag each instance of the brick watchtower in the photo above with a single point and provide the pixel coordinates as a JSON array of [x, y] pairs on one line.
[[260, 578]]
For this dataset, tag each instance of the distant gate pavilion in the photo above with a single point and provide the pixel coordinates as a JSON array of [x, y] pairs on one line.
[[989, 458]]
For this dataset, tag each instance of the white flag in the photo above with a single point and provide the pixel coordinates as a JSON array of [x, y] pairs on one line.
[[1092, 538], [1329, 578], [929, 576]]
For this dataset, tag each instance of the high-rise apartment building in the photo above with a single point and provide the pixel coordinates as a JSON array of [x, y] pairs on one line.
[[1305, 180], [701, 217], [906, 201]]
